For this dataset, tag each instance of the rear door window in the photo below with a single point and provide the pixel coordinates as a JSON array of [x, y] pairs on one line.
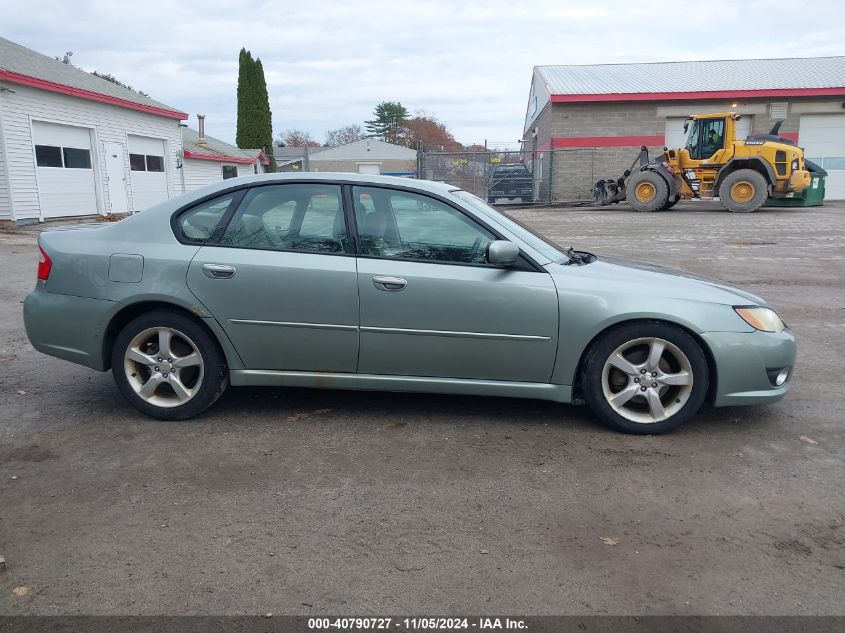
[[290, 217]]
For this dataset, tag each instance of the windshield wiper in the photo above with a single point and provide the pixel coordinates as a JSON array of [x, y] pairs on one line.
[[577, 258]]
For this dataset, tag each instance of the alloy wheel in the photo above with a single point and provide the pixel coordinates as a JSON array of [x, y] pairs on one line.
[[163, 366], [647, 380]]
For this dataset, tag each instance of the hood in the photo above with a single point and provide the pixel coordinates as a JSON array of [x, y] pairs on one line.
[[658, 281]]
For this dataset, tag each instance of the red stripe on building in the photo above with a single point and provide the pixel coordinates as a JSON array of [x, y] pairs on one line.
[[713, 94], [792, 136], [32, 82], [560, 142], [219, 158]]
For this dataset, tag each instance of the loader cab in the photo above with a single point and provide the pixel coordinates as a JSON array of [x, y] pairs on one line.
[[705, 137]]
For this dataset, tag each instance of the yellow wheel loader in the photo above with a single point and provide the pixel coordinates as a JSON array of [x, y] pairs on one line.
[[743, 174]]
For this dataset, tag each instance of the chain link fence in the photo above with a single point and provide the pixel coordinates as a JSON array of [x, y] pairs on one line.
[[519, 177]]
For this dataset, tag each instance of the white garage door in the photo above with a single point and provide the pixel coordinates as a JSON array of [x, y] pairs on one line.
[[369, 168], [676, 137], [823, 138], [65, 170], [147, 171]]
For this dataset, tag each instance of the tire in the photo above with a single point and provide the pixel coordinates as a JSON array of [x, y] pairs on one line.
[[195, 380], [647, 191], [744, 191], [616, 392], [671, 203]]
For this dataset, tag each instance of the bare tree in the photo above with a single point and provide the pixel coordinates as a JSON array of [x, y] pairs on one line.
[[296, 138], [344, 135]]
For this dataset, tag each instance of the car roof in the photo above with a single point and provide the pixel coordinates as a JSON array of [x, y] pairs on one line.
[[363, 179]]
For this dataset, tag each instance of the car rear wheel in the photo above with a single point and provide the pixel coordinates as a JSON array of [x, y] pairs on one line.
[[645, 378], [168, 366]]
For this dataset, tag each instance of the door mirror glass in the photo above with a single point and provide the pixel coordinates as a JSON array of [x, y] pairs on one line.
[[502, 253]]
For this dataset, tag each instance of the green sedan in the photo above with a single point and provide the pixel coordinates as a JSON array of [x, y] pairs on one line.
[[342, 281]]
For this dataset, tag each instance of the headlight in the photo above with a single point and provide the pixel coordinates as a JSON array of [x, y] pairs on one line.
[[764, 319]]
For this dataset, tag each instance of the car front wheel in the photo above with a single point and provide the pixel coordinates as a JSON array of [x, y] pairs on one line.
[[645, 378], [168, 366]]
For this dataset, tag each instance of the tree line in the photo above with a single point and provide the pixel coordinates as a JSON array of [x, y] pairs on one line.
[[391, 122]]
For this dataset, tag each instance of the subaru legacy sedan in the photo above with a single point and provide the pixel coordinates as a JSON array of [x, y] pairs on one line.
[[343, 281]]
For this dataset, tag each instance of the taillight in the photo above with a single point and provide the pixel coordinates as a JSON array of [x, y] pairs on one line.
[[44, 265]]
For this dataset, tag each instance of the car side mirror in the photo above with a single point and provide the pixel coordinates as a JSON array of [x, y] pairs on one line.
[[502, 253]]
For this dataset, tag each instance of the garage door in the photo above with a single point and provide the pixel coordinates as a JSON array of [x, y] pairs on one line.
[[65, 170], [823, 138], [676, 137], [369, 168], [147, 171]]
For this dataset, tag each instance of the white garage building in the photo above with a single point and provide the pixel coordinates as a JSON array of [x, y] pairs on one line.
[[73, 144], [208, 160]]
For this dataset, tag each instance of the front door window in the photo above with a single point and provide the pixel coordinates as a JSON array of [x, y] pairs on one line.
[[404, 225]]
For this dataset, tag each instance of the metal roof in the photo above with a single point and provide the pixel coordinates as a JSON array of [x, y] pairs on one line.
[[294, 153], [214, 146], [702, 76], [19, 60]]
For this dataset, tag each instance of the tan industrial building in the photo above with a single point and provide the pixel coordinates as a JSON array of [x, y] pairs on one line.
[[584, 123]]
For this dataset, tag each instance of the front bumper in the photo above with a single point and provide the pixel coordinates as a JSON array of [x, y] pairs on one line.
[[742, 360], [65, 326]]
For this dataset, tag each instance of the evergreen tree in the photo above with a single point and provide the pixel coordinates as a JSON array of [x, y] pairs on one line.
[[388, 122], [255, 124]]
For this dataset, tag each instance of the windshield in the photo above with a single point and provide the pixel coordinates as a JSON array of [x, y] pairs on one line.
[[539, 243]]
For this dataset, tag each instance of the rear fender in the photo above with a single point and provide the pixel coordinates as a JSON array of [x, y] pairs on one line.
[[756, 164]]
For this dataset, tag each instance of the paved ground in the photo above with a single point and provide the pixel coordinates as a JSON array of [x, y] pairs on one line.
[[293, 501]]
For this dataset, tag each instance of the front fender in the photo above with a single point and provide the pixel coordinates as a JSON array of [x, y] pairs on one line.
[[669, 178], [585, 315]]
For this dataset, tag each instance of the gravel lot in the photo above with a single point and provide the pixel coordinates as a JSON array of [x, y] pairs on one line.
[[316, 502]]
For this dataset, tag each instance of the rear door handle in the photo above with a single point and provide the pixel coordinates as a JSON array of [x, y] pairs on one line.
[[389, 284], [218, 271]]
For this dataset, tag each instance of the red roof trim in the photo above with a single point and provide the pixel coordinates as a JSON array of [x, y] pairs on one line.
[[219, 158], [263, 157], [707, 94], [41, 84], [606, 141]]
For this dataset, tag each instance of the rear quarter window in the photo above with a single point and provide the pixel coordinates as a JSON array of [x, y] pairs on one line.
[[199, 223]]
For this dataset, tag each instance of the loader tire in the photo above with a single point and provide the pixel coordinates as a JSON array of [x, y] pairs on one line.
[[744, 191], [647, 191], [670, 203]]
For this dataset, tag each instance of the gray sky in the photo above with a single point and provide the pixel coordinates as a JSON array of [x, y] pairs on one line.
[[328, 63]]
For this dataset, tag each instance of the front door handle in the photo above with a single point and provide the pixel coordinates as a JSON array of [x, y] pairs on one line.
[[218, 271], [389, 284]]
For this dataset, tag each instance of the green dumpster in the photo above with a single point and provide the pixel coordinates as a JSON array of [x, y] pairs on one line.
[[812, 196]]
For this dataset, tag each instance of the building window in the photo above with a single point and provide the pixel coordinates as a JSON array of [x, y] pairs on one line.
[[255, 168], [77, 158], [148, 162], [48, 156], [137, 163], [68, 157], [155, 163], [230, 171]]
